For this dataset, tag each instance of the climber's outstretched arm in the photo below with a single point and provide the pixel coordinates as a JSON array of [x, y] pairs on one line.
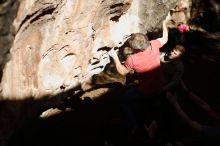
[[120, 67], [193, 124], [198, 100], [163, 40]]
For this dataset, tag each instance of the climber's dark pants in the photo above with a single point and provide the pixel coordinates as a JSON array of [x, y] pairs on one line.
[[133, 105]]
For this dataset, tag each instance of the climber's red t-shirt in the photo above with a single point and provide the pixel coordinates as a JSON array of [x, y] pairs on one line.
[[147, 66]]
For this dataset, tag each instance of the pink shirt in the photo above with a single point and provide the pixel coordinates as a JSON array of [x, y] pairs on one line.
[[147, 66]]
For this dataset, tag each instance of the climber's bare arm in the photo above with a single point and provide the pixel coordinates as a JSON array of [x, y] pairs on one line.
[[163, 40], [193, 124], [198, 100], [120, 68]]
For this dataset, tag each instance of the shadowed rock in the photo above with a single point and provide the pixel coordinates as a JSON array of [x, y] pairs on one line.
[[58, 45]]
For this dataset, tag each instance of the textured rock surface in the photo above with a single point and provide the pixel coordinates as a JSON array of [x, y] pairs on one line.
[[8, 11], [59, 45]]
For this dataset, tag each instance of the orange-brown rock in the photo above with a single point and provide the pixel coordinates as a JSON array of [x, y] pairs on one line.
[[61, 44]]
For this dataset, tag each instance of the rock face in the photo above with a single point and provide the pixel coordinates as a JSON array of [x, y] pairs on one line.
[[59, 45], [8, 11]]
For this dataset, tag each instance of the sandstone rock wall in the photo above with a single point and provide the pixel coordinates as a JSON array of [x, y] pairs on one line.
[[60, 44]]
